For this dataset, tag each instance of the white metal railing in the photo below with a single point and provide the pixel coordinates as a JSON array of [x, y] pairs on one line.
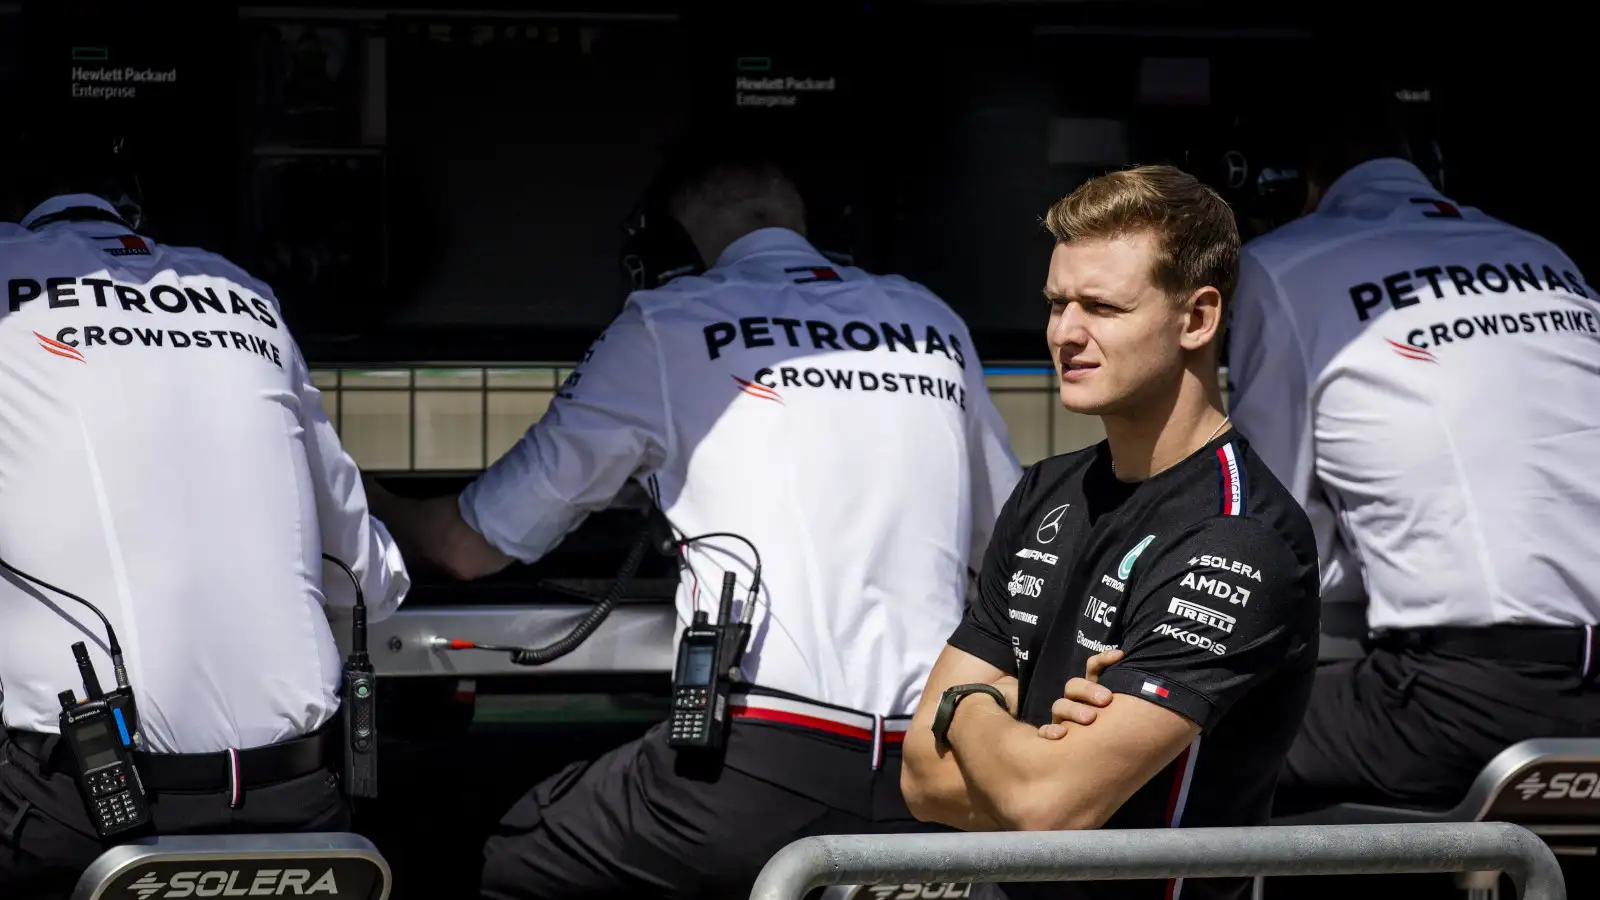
[[460, 419], [1164, 853]]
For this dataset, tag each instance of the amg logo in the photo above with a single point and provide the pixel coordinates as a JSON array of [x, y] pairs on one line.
[[1561, 786], [233, 883], [1048, 559], [1203, 615]]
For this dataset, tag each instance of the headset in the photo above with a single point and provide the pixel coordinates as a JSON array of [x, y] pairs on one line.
[[111, 157], [656, 249], [1262, 168], [655, 246]]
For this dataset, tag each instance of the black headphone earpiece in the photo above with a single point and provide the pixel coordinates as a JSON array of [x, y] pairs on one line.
[[655, 247]]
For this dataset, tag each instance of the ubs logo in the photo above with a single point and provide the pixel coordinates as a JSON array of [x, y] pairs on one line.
[[1050, 525]]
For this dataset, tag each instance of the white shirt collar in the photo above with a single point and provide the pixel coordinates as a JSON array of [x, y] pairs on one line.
[[66, 201], [766, 240], [1362, 178]]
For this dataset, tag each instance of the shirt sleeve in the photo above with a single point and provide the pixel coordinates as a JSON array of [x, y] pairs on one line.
[[982, 631], [994, 467], [349, 532], [608, 423], [1211, 615]]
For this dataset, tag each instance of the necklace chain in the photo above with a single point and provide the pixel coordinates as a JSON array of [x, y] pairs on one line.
[[1220, 425]]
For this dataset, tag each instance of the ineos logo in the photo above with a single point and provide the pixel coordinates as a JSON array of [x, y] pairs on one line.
[[1050, 525], [1100, 611]]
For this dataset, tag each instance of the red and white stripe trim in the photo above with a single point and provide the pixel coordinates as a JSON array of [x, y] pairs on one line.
[[862, 726], [235, 784], [1232, 480], [1181, 779]]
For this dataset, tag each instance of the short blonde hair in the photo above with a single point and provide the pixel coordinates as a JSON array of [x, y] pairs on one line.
[[1197, 239]]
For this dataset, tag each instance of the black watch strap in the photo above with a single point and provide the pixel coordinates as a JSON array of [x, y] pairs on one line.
[[947, 707]]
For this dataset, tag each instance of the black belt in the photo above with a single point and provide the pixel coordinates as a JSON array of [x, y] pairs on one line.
[[1574, 646], [204, 773]]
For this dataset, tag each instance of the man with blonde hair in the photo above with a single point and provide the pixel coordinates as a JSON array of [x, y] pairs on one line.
[[1164, 569]]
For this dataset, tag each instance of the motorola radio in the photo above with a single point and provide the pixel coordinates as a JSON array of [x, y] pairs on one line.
[[101, 734], [708, 663], [358, 696]]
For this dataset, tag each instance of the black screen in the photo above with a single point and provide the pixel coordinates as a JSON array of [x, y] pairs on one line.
[[95, 744], [697, 663], [516, 150], [102, 71], [1002, 117]]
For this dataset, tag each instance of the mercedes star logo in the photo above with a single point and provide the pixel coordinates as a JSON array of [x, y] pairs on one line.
[[1237, 168], [1050, 525]]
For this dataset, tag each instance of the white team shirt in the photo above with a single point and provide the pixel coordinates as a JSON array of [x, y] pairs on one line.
[[164, 456], [1424, 379], [837, 419]]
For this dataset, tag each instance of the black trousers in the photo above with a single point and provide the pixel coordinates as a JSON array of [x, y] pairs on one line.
[[1413, 728], [46, 839], [641, 821]]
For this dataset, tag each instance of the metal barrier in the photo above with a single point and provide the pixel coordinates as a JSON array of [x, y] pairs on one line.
[[236, 865], [1164, 853]]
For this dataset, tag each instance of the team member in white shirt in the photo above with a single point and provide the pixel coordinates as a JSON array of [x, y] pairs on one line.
[[164, 456], [1422, 377], [837, 419]]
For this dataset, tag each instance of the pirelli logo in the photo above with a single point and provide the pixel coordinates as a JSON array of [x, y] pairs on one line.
[[1202, 614]]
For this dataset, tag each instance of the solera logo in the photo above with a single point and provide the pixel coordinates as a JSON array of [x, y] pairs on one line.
[[1561, 786], [233, 883]]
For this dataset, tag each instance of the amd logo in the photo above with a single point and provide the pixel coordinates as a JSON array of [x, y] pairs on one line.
[[1561, 786], [228, 883]]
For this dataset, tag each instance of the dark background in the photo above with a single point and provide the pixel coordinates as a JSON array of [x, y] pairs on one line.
[[451, 186]]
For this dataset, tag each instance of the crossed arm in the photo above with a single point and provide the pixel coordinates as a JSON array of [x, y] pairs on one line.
[[1002, 774]]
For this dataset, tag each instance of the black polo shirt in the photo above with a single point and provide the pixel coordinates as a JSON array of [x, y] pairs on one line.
[[1205, 575]]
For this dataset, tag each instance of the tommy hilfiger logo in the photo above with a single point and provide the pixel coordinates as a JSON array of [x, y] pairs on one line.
[[131, 245], [813, 273]]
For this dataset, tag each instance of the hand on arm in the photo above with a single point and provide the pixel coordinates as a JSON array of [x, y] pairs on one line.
[[1027, 782], [1082, 698]]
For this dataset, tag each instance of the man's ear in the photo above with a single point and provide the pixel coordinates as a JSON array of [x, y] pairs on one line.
[[1202, 318]]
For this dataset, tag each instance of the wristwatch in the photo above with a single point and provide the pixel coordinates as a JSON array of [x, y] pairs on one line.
[[947, 708]]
